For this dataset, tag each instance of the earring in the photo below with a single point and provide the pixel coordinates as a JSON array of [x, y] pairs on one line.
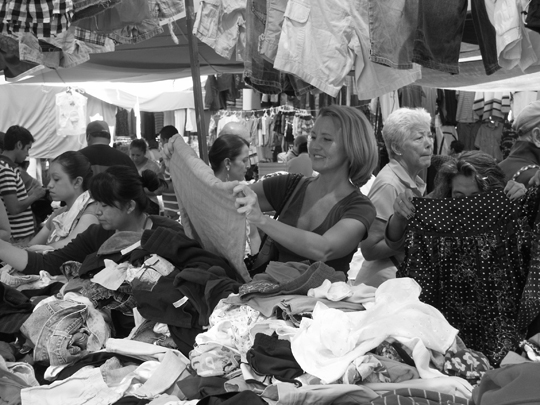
[[227, 178], [399, 154]]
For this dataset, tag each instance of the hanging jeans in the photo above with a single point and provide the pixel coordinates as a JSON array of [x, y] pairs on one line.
[[477, 260]]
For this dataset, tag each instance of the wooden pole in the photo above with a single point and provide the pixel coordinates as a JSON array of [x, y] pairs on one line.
[[196, 76]]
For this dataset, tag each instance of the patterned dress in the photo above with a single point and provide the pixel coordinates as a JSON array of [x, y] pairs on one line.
[[477, 260]]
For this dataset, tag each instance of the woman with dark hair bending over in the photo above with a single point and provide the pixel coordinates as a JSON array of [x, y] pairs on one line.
[[70, 175], [327, 217], [120, 206]]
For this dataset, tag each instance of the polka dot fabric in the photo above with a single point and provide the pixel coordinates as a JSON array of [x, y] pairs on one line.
[[477, 260]]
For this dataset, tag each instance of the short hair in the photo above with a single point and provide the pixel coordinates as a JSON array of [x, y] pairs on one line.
[[302, 148], [138, 143], [358, 139], [168, 131], [299, 140], [457, 146], [226, 146], [400, 124], [483, 167], [75, 164], [118, 185], [98, 129], [15, 134]]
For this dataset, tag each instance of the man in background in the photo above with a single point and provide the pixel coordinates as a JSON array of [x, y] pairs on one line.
[[302, 163], [523, 161], [291, 154], [17, 144], [99, 152]]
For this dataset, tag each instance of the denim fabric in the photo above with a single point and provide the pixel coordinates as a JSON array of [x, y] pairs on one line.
[[66, 51], [392, 25], [130, 21], [166, 9], [221, 25], [269, 40], [259, 73], [438, 36], [486, 35], [53, 325], [10, 62], [321, 41], [88, 8]]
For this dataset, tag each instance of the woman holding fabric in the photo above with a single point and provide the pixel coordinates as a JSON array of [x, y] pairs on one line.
[[466, 175], [327, 216], [69, 175], [409, 143], [120, 206], [229, 159], [471, 248]]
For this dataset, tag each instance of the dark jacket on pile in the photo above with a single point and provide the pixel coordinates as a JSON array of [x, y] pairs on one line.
[[200, 278]]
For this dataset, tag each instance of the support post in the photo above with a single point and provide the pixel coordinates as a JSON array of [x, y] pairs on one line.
[[196, 76]]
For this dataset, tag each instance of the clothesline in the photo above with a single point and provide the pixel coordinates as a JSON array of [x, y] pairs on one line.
[[270, 110]]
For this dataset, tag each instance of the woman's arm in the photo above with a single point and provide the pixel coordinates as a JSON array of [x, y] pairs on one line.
[[16, 257], [41, 237], [375, 246], [338, 241]]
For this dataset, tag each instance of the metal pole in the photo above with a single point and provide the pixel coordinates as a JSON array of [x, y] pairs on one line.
[[196, 76]]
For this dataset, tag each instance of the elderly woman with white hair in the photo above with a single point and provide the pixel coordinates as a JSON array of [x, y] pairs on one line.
[[409, 142]]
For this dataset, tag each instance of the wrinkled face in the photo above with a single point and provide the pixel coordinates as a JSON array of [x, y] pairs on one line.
[[418, 148], [136, 155], [60, 186], [239, 166], [326, 148], [111, 217], [464, 186]]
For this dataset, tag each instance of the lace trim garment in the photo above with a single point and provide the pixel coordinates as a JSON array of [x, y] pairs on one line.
[[477, 260]]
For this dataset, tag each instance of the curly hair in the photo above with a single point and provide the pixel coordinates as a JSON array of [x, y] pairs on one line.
[[477, 164]]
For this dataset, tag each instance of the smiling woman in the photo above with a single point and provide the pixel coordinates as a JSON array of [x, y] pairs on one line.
[[327, 216], [409, 142]]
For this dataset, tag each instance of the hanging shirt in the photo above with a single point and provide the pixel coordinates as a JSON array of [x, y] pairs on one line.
[[70, 114]]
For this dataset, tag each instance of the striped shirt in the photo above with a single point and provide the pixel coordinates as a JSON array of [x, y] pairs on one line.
[[22, 224], [170, 202]]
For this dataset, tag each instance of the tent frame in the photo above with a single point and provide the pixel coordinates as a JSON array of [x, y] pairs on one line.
[[196, 76]]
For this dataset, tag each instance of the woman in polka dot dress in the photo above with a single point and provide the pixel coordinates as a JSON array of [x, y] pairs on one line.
[[471, 248]]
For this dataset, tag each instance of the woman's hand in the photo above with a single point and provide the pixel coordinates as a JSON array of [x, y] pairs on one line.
[[403, 206], [535, 180], [248, 204], [514, 190]]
